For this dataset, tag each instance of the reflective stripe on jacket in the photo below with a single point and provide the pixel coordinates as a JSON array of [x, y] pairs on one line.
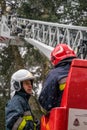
[[22, 121]]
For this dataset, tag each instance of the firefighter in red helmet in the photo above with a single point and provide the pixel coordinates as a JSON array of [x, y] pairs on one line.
[[52, 89]]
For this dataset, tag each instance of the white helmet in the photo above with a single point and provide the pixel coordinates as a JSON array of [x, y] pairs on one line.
[[16, 79]]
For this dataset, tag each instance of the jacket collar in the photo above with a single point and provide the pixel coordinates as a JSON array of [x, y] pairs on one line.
[[23, 94]]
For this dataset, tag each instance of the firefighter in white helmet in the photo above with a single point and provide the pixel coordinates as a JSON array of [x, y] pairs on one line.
[[17, 111]]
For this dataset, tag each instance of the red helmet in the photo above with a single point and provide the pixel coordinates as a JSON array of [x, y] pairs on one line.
[[60, 52]]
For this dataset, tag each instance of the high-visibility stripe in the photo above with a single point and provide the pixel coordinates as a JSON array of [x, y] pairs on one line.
[[24, 121], [17, 123], [34, 126], [28, 118], [22, 125], [62, 86]]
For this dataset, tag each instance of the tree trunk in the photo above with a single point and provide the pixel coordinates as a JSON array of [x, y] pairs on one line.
[[18, 62]]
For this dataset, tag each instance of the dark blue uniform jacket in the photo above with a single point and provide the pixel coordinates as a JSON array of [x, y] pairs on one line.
[[50, 95], [15, 108]]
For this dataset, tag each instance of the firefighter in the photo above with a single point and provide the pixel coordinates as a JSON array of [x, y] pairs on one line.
[[52, 89], [18, 112]]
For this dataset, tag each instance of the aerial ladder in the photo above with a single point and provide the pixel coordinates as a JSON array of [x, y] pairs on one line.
[[44, 35]]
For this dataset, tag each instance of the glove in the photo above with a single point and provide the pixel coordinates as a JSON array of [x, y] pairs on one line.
[[29, 125]]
